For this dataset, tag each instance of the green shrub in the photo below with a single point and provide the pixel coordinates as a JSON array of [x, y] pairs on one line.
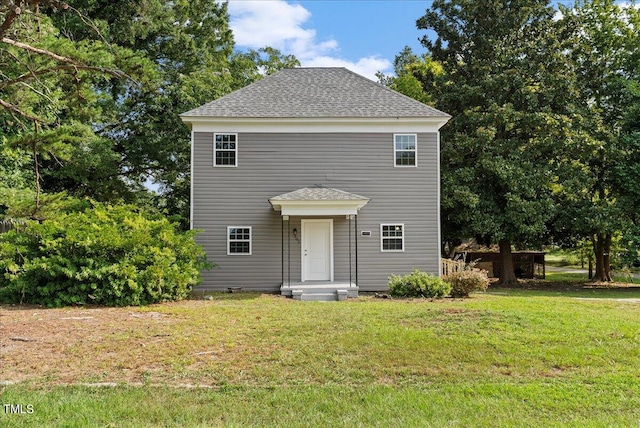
[[418, 284], [467, 281], [107, 255]]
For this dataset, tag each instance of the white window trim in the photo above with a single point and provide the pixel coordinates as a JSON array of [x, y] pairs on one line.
[[395, 151], [229, 253], [382, 238], [226, 150]]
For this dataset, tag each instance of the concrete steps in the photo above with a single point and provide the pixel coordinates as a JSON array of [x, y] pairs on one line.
[[320, 292]]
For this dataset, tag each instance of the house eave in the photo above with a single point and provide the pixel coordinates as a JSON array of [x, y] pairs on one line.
[[316, 124]]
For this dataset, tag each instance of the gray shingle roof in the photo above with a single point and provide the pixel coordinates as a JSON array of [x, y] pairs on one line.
[[315, 93], [318, 194]]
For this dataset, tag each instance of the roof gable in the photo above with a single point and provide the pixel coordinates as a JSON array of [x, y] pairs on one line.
[[315, 93], [318, 200], [318, 193]]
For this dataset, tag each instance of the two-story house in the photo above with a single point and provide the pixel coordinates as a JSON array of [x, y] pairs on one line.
[[315, 179]]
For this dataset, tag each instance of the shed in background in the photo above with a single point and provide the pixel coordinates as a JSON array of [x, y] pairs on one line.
[[526, 264]]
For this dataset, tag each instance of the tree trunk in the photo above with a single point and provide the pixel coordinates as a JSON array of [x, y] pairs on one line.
[[601, 248], [607, 257], [36, 168], [507, 272]]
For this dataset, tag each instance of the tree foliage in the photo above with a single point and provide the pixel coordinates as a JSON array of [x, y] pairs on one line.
[[126, 69], [543, 143], [90, 97], [98, 254], [15, 180], [507, 85], [47, 77], [599, 179], [191, 51], [49, 88], [415, 77], [187, 45]]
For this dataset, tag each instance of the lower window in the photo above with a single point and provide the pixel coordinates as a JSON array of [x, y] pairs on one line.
[[239, 240], [392, 237]]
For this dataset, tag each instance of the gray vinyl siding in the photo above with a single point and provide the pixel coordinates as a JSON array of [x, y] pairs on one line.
[[274, 164]]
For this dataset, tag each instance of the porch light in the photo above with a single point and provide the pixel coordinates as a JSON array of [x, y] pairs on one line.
[[295, 232]]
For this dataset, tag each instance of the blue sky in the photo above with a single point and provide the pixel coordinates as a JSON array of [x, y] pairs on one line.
[[362, 35]]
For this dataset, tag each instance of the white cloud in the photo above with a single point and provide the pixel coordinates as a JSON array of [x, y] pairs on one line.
[[629, 4], [365, 66], [278, 24], [273, 23], [558, 16]]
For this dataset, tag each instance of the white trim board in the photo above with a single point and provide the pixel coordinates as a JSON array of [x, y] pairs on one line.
[[310, 208], [311, 125]]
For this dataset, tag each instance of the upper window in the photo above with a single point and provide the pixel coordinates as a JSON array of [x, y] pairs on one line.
[[225, 150], [239, 240], [405, 149], [392, 237]]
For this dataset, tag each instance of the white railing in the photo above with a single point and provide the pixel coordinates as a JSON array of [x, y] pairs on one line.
[[448, 266]]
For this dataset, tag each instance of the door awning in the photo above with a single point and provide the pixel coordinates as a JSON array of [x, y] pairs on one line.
[[318, 201]]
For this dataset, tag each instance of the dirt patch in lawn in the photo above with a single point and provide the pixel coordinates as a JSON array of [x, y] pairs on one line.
[[203, 342], [70, 345]]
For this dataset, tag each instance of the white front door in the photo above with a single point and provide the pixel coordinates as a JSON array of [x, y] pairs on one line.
[[317, 250]]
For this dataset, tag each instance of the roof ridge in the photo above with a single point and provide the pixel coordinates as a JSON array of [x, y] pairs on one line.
[[313, 68]]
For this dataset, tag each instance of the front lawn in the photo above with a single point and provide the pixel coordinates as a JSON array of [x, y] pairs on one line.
[[504, 358], [583, 277]]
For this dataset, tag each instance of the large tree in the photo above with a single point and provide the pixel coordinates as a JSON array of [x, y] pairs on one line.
[[414, 77], [43, 74], [114, 76], [627, 184], [599, 183], [507, 85], [48, 80], [188, 44], [191, 46]]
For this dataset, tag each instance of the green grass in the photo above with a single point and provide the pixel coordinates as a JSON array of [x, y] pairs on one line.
[[571, 259], [547, 402], [570, 290], [565, 277], [504, 358], [553, 276], [563, 258]]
